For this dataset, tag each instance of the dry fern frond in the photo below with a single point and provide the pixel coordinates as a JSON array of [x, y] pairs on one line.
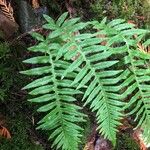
[[143, 49], [4, 132], [139, 44], [7, 10]]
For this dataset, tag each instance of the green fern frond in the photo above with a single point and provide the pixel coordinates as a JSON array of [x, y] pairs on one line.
[[137, 77], [104, 95], [71, 62], [95, 66], [56, 95], [98, 93], [141, 72]]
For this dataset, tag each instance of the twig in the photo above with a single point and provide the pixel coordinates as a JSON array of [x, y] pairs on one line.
[[26, 33]]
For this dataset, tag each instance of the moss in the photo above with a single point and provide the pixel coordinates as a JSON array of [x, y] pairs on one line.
[[86, 132], [146, 11], [125, 142], [13, 104], [138, 11], [20, 139]]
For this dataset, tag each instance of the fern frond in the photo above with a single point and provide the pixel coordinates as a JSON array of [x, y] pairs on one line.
[[137, 78], [56, 95], [104, 94], [141, 71], [7, 10], [107, 73], [95, 66], [98, 94]]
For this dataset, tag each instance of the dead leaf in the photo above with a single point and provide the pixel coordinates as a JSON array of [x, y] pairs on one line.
[[35, 4], [140, 17], [137, 137], [4, 132]]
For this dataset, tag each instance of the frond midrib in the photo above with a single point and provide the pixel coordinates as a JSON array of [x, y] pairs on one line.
[[133, 70], [136, 78], [102, 88], [58, 100]]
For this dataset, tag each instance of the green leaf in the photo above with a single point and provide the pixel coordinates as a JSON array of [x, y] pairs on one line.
[[41, 47], [37, 71], [38, 82], [37, 36], [49, 26], [106, 64], [47, 107], [116, 22], [43, 98], [37, 60], [42, 90], [48, 19], [55, 33], [61, 19], [146, 43], [73, 66], [124, 26], [70, 22]]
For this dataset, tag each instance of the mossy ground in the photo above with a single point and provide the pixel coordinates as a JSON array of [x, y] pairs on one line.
[[126, 142], [20, 140], [17, 113], [130, 10]]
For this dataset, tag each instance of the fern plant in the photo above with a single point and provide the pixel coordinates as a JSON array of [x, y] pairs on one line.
[[72, 61]]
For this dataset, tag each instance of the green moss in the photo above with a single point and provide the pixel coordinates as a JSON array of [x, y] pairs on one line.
[[126, 9], [125, 142], [87, 131], [5, 78], [12, 104], [146, 11], [20, 139]]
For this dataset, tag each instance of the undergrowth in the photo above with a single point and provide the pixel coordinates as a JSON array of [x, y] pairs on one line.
[[126, 142], [131, 10], [14, 110], [20, 139]]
